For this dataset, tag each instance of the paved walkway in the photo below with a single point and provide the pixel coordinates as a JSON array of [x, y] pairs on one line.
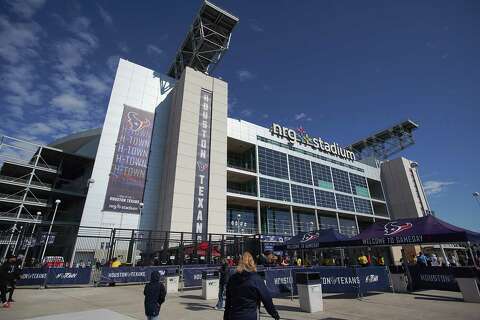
[[126, 303]]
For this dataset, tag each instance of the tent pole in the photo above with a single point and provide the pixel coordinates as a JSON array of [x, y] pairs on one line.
[[444, 255]]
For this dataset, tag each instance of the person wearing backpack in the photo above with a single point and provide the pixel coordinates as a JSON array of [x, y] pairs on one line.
[[154, 293]]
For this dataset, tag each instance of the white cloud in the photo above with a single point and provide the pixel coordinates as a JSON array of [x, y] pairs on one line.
[[80, 26], [154, 50], [18, 40], [265, 116], [123, 47], [70, 102], [300, 116], [106, 17], [434, 187], [244, 75], [112, 62], [96, 84], [25, 8], [246, 112], [255, 27], [71, 53]]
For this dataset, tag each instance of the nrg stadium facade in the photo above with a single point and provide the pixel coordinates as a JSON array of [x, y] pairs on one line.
[[168, 158]]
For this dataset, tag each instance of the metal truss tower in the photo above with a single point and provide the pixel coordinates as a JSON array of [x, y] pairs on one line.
[[206, 41]]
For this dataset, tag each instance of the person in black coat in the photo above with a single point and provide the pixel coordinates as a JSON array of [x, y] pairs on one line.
[[222, 285], [154, 293], [9, 272], [245, 291]]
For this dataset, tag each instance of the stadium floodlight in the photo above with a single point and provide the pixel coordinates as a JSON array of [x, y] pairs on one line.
[[385, 143], [206, 41]]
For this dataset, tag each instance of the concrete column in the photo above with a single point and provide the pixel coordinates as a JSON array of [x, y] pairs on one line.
[[317, 223], [291, 218], [259, 219]]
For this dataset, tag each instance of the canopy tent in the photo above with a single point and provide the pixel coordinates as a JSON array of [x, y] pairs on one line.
[[427, 229], [315, 239]]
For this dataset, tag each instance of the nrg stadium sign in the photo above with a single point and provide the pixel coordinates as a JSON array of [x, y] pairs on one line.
[[301, 136]]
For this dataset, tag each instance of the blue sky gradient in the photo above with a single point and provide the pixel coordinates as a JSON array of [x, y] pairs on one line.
[[341, 69]]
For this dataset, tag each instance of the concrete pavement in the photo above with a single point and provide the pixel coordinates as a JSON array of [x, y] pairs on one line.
[[126, 303]]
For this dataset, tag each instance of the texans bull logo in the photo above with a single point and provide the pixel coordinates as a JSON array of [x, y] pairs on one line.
[[393, 228], [310, 236], [202, 166], [135, 123]]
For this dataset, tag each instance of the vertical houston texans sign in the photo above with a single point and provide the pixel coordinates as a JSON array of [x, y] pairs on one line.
[[129, 165], [202, 166]]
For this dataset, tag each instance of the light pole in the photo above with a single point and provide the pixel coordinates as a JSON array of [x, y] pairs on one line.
[[57, 202], [37, 219], [476, 196], [140, 209]]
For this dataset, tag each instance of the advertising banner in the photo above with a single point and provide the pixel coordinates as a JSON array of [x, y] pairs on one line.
[[192, 277], [373, 279], [33, 277], [280, 282], [68, 276], [437, 278], [129, 165], [202, 168], [133, 274]]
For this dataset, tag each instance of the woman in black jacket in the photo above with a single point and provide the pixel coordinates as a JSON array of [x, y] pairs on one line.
[[245, 291], [154, 293]]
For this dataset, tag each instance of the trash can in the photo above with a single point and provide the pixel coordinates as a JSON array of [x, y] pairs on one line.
[[171, 280], [467, 279], [210, 284], [310, 291]]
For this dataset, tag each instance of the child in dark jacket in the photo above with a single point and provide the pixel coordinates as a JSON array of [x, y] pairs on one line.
[[154, 293]]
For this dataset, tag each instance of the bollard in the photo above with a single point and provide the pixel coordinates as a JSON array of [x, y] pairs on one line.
[[310, 291], [210, 284]]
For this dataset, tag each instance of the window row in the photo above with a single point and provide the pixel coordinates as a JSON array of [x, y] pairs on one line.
[[279, 190], [275, 164]]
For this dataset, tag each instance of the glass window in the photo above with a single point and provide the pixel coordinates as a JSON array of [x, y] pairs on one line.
[[299, 170], [348, 227], [327, 222], [302, 195], [321, 176], [345, 202], [304, 222], [359, 185], [241, 220], [340, 180], [325, 199], [274, 189], [276, 221], [272, 163], [363, 206]]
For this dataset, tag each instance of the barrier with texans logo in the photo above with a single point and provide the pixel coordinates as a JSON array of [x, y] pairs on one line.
[[54, 276]]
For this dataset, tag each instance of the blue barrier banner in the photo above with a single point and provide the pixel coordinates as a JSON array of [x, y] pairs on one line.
[[373, 279], [68, 276], [192, 277], [32, 277], [279, 282], [133, 274], [437, 278], [338, 279]]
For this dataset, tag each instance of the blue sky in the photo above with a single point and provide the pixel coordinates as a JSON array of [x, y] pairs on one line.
[[341, 69]]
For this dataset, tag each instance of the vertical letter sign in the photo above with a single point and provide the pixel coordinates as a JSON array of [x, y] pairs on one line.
[[202, 169], [129, 165]]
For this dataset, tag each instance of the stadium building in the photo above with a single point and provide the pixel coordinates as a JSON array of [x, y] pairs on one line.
[[168, 158]]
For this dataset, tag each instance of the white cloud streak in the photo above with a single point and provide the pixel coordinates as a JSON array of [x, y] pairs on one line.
[[245, 75], [154, 50], [25, 8], [435, 187], [106, 17]]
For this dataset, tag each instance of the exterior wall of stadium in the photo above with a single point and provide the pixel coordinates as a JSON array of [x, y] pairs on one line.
[[259, 181]]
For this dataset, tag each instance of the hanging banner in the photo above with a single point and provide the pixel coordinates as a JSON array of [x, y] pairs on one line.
[[202, 167], [129, 166], [373, 279], [436, 278]]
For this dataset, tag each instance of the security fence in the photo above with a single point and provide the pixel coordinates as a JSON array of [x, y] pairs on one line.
[[79, 245]]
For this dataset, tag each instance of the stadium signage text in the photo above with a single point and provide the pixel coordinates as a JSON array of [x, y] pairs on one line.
[[300, 136]]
